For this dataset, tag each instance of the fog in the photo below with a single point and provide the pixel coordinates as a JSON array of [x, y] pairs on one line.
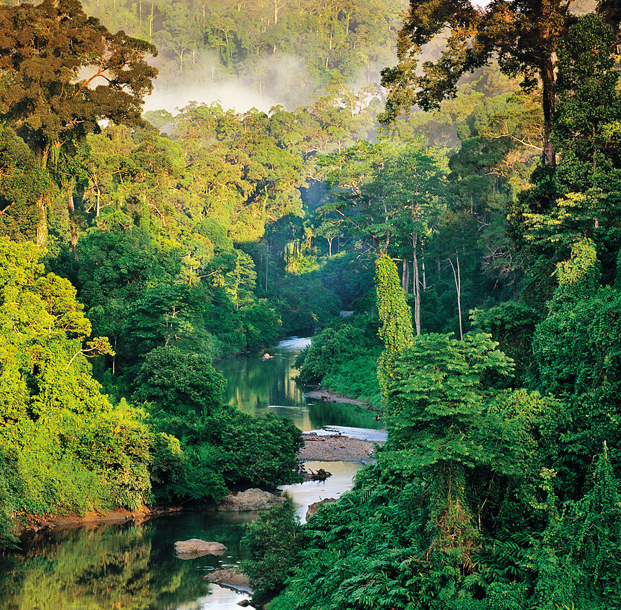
[[263, 84], [230, 95]]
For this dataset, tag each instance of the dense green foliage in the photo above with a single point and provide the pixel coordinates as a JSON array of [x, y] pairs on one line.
[[273, 540], [63, 443], [67, 448], [499, 490], [498, 487], [396, 329]]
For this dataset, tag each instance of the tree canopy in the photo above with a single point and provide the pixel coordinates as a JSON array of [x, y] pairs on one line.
[[524, 36], [62, 72]]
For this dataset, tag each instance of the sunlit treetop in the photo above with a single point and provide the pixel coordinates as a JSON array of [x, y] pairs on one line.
[[61, 72]]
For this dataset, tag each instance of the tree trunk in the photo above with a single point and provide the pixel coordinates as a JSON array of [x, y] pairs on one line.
[[41, 237], [457, 277], [98, 199], [549, 106], [74, 237], [42, 223], [267, 264], [405, 276], [416, 283]]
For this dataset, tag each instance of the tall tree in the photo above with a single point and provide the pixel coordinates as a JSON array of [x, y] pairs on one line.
[[440, 417], [580, 197], [61, 72], [523, 35]]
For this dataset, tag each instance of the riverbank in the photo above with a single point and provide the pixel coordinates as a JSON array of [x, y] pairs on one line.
[[326, 396], [317, 448], [34, 524], [335, 448]]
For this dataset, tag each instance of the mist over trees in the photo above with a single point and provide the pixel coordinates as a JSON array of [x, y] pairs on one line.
[[273, 51]]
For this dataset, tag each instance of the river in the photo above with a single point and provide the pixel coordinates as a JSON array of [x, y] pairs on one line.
[[133, 566]]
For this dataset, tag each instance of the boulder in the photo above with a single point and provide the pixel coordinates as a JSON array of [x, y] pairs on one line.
[[249, 501], [189, 549], [312, 508], [231, 578]]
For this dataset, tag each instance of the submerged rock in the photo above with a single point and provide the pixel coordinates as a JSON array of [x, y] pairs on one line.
[[229, 577], [320, 475], [249, 501], [189, 549]]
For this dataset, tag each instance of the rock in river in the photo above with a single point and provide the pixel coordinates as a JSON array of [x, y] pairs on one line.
[[189, 549], [231, 578], [312, 508], [249, 500]]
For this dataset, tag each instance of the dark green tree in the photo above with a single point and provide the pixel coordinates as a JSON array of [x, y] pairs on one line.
[[439, 405], [577, 353], [273, 541], [22, 183], [524, 36], [179, 383], [580, 197], [577, 559]]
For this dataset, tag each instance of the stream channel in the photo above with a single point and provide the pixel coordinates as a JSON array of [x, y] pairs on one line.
[[133, 566]]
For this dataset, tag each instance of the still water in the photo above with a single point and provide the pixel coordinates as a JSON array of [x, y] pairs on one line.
[[258, 387], [133, 566]]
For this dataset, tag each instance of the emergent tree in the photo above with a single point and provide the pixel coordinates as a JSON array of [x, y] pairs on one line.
[[523, 35], [61, 72]]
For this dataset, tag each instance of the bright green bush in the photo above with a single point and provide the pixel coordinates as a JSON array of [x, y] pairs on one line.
[[336, 346], [66, 447]]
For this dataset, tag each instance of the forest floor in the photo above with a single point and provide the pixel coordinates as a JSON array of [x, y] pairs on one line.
[[335, 448]]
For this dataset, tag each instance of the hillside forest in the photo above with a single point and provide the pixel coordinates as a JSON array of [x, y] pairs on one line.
[[449, 173]]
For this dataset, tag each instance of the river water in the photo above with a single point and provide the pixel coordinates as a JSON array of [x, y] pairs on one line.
[[133, 566]]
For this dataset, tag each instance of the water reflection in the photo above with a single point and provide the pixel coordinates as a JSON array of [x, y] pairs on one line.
[[254, 385], [134, 567], [305, 494], [122, 567], [258, 387]]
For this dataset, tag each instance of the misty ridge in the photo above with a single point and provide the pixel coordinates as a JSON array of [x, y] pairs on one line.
[[257, 55], [266, 53], [279, 80]]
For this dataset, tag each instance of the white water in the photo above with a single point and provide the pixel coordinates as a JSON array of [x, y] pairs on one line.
[[294, 343], [364, 434]]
